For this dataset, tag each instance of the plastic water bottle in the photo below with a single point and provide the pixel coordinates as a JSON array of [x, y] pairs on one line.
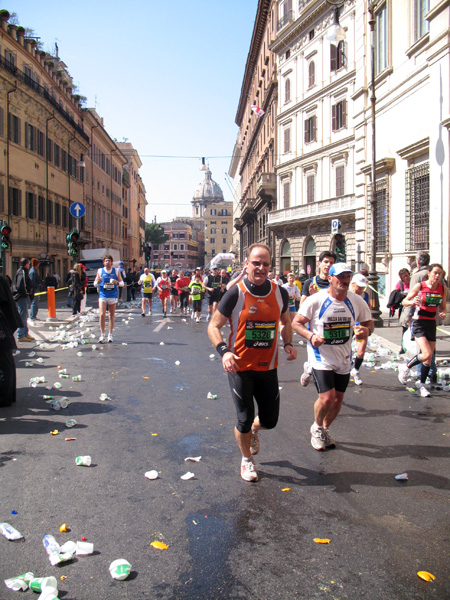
[[356, 338], [51, 545], [9, 532]]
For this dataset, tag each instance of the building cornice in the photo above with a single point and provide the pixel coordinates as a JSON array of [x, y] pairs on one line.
[[416, 149], [253, 54]]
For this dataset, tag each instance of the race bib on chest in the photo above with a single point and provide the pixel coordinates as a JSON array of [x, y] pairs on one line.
[[337, 332], [108, 286], [259, 334], [432, 299]]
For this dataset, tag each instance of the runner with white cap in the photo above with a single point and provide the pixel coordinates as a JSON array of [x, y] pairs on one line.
[[358, 286], [332, 315]]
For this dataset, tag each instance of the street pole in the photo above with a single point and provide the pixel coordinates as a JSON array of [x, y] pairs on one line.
[[373, 276]]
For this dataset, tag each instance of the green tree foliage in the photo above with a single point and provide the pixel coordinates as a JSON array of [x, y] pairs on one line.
[[154, 234]]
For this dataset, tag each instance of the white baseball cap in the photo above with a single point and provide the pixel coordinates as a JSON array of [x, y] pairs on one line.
[[359, 280]]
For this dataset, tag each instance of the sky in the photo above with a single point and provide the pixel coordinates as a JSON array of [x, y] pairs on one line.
[[165, 76]]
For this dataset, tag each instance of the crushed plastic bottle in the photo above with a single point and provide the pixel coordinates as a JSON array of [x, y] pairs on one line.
[[76, 378], [211, 396], [19, 582], [10, 532], [40, 360], [71, 423], [28, 364], [50, 544]]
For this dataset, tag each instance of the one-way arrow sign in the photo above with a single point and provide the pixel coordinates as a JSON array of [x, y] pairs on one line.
[[77, 210]]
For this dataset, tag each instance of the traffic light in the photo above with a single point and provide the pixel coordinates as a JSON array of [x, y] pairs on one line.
[[5, 231], [72, 242], [340, 248], [148, 252]]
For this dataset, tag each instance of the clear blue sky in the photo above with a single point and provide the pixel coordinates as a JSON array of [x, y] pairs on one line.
[[165, 75]]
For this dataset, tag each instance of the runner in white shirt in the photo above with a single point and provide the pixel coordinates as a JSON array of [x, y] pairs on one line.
[[294, 294], [331, 314]]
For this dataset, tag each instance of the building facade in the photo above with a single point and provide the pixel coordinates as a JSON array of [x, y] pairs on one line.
[[213, 216], [256, 147], [316, 158], [135, 201], [42, 141], [183, 249]]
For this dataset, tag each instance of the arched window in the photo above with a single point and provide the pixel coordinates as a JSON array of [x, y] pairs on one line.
[[287, 90], [285, 257], [311, 74], [286, 249]]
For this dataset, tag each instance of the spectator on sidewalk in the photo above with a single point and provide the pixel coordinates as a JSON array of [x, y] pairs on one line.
[[9, 321], [123, 274], [36, 282], [50, 281], [22, 294], [129, 283], [76, 288], [84, 282]]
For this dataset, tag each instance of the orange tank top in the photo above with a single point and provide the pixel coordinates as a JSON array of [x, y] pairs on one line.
[[254, 329]]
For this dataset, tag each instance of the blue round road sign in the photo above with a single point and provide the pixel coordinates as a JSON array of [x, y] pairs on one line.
[[77, 210]]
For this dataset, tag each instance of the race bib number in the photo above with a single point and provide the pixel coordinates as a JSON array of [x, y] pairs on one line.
[[291, 301], [108, 286], [259, 334], [163, 286], [148, 289], [432, 299], [337, 333]]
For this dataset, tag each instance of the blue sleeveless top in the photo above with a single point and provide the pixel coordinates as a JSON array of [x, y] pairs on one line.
[[107, 289]]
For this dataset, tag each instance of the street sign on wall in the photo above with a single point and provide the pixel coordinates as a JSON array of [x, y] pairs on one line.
[[335, 226], [77, 210]]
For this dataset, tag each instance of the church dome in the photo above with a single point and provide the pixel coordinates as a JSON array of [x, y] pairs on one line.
[[208, 190]]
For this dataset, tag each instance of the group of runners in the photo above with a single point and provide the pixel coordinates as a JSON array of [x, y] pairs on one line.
[[333, 308]]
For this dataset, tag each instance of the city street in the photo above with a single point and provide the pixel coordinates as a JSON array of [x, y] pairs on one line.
[[226, 538]]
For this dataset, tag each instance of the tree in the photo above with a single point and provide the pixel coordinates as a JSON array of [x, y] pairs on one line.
[[154, 234]]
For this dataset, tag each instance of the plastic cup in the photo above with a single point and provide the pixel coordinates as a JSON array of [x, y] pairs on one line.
[[63, 402], [84, 548], [49, 593], [71, 423], [38, 584], [20, 582], [83, 461], [120, 569], [55, 404]]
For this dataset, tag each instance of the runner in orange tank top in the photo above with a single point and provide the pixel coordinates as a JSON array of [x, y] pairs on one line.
[[256, 310]]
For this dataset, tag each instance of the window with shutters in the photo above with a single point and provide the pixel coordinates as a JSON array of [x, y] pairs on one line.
[[30, 137], [310, 188], [337, 56], [10, 61], [339, 115], [286, 194], [310, 129], [40, 143], [57, 213], [15, 201], [287, 90], [57, 155], [311, 74], [50, 212], [340, 187], [63, 160], [2, 125], [287, 139], [30, 200], [41, 208], [381, 39], [14, 129]]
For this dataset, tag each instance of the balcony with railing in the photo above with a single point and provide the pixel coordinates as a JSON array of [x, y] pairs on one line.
[[288, 17], [314, 210], [267, 185]]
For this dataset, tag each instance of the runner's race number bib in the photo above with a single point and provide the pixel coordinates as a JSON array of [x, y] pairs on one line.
[[259, 334], [337, 333], [108, 286]]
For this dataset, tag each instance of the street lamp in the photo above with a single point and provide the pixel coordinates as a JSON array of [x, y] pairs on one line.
[[373, 276]]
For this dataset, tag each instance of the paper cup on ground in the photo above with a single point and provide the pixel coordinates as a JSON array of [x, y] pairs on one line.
[[152, 474], [84, 548], [83, 461], [120, 569], [69, 547], [49, 593], [38, 584], [20, 582]]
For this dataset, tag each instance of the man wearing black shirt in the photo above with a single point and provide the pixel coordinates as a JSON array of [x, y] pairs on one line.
[[320, 281], [212, 284], [255, 308]]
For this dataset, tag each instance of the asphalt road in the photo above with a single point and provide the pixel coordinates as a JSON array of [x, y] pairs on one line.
[[226, 538]]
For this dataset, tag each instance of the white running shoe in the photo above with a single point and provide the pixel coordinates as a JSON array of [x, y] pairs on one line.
[[192, 315], [254, 443], [150, 313], [329, 442], [306, 375], [102, 339], [197, 320], [248, 471], [208, 317], [110, 338], [356, 378], [424, 392], [403, 373], [318, 439]]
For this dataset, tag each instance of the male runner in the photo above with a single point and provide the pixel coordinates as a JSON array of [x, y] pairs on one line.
[[108, 280], [212, 284], [173, 291], [312, 286], [331, 315], [148, 284], [255, 307], [163, 286]]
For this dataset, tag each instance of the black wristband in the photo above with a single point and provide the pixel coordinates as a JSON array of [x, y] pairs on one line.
[[288, 344], [222, 348]]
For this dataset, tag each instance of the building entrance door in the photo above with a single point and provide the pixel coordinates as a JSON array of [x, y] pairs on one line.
[[310, 257], [285, 258]]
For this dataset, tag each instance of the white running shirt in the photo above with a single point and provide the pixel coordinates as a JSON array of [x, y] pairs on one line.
[[334, 320]]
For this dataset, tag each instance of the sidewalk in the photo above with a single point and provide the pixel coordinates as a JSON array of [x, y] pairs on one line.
[[390, 336]]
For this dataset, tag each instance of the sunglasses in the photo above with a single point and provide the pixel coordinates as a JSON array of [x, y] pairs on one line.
[[257, 263]]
